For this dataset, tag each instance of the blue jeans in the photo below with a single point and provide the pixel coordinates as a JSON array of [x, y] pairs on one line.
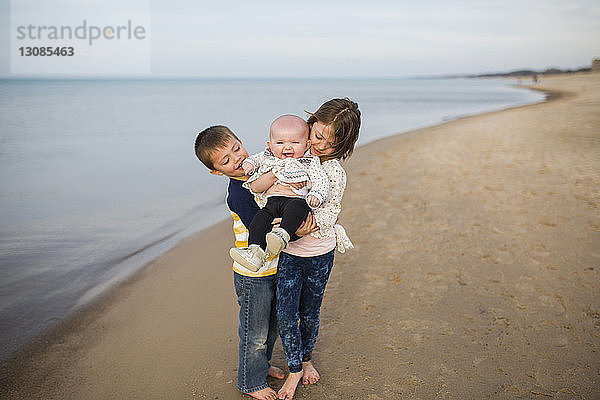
[[257, 329], [301, 284]]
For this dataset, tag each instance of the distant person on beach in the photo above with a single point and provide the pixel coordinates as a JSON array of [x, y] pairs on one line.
[[305, 264], [288, 157], [219, 149]]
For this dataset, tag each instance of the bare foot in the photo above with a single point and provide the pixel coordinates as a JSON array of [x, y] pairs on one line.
[[276, 373], [264, 394], [309, 373], [289, 387]]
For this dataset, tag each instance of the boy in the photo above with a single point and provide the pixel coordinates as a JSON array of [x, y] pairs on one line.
[[223, 153], [287, 156]]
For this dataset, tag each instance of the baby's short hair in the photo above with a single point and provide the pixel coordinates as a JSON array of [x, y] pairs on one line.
[[211, 139]]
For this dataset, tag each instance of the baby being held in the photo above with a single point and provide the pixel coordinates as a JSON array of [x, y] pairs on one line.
[[300, 183]]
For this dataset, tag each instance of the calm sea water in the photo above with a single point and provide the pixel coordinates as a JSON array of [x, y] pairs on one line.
[[98, 177]]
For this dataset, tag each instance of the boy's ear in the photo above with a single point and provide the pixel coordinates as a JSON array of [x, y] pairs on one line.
[[215, 172]]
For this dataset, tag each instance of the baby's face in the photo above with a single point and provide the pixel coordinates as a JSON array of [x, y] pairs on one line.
[[289, 143]]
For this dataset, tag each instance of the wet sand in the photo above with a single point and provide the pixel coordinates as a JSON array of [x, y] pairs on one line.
[[476, 274]]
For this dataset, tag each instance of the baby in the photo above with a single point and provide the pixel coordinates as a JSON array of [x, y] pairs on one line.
[[301, 184]]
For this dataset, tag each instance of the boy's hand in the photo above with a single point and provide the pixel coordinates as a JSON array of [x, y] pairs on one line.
[[298, 185], [312, 200], [247, 167]]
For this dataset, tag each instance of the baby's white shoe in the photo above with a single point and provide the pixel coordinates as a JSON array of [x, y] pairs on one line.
[[251, 257], [277, 240]]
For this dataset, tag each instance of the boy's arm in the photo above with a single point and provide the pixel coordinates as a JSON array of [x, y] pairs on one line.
[[241, 202], [263, 182]]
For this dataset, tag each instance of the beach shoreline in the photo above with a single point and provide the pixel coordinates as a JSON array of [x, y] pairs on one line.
[[65, 363], [135, 258], [75, 225], [98, 295]]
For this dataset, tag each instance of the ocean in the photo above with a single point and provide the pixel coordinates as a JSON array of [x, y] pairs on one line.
[[99, 177]]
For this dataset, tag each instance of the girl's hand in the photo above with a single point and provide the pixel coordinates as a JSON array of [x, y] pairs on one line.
[[309, 225], [298, 185]]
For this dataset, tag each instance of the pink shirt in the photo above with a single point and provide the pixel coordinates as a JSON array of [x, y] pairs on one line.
[[310, 246]]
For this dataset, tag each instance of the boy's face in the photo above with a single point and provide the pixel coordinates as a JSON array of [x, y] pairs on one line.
[[286, 143], [228, 159]]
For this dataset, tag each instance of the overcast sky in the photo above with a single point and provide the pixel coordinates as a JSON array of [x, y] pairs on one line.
[[360, 39]]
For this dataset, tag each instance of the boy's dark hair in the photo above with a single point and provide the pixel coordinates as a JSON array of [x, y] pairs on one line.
[[210, 139], [343, 116]]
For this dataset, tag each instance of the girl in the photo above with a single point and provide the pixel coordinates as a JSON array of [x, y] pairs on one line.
[[305, 264]]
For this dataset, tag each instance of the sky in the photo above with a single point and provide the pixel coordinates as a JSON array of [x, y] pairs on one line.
[[226, 38]]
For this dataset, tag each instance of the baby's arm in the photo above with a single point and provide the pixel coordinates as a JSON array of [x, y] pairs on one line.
[[253, 162], [251, 166], [248, 167]]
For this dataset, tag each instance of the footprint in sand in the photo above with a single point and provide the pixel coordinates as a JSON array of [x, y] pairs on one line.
[[548, 222], [539, 252]]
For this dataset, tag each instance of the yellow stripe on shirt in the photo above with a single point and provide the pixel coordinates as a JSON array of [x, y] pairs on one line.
[[241, 240]]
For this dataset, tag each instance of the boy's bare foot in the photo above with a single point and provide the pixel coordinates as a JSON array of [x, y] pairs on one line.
[[309, 373], [276, 373], [289, 387], [264, 394]]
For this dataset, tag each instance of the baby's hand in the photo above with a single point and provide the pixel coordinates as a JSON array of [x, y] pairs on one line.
[[312, 200], [247, 167]]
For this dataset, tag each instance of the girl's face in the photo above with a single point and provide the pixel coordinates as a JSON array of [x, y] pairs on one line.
[[321, 139]]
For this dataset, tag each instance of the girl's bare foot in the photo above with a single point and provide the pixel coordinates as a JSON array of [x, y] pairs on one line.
[[309, 373], [289, 387], [276, 373], [264, 394]]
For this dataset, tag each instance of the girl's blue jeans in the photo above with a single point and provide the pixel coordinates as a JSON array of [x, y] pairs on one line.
[[257, 329], [301, 284]]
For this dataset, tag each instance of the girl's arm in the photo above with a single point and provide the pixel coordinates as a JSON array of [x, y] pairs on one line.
[[320, 182], [337, 185]]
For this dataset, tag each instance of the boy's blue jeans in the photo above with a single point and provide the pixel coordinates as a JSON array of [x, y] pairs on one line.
[[257, 329], [301, 284]]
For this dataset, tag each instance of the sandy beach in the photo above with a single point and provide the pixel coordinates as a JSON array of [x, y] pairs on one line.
[[476, 275]]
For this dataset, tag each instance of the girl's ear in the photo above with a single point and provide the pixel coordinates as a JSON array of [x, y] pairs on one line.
[[308, 143]]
